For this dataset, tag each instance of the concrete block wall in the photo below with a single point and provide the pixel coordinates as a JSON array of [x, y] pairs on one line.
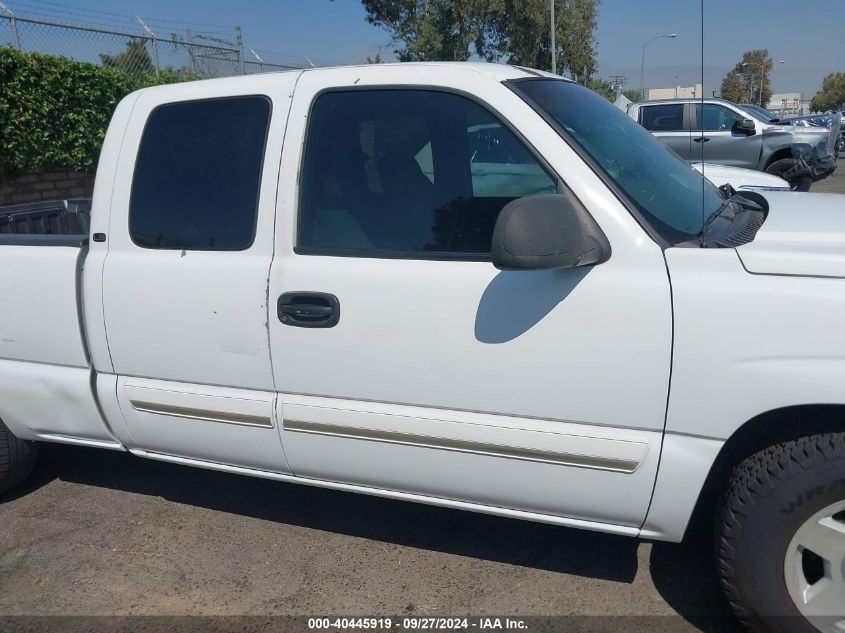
[[46, 185]]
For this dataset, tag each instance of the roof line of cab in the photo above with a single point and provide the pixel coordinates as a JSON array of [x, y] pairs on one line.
[[501, 72]]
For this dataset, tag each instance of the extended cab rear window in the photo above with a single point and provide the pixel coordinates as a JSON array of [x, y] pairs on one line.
[[409, 173], [198, 174], [663, 118]]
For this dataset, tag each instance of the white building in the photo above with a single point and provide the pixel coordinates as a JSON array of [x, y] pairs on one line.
[[788, 103], [678, 92]]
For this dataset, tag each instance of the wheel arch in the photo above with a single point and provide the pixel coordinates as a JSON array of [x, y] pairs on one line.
[[786, 151], [782, 153], [761, 431]]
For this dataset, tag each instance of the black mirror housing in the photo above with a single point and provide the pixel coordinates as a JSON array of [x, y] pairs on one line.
[[547, 231], [745, 126]]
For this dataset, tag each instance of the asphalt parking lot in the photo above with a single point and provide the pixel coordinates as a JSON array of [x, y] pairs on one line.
[[834, 183], [99, 533], [105, 533]]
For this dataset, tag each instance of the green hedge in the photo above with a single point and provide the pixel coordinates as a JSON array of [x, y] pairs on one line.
[[54, 111]]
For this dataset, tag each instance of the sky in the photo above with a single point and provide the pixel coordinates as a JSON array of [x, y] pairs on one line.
[[805, 34]]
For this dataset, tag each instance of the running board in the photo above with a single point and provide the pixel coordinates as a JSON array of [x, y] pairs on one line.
[[623, 530], [80, 441]]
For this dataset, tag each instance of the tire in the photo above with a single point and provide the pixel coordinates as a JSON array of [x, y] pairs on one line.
[[772, 497], [780, 167], [17, 458]]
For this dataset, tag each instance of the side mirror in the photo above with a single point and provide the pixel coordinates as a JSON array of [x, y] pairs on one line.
[[547, 231], [746, 126]]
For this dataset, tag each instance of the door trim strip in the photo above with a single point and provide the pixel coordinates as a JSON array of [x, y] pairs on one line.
[[465, 446], [245, 419]]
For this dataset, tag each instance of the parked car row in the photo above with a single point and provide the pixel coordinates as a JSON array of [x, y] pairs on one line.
[[723, 132]]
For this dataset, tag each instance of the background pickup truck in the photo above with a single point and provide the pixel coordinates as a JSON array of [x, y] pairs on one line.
[[720, 131], [469, 285]]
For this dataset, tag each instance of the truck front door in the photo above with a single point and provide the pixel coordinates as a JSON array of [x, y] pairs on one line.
[[405, 361], [720, 143]]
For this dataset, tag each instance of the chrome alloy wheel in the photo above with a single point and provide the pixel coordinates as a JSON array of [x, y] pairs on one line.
[[814, 569]]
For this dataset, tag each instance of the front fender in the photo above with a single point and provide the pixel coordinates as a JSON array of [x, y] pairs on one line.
[[807, 146], [744, 344], [749, 343]]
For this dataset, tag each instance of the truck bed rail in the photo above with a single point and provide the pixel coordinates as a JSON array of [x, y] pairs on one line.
[[54, 223], [59, 217]]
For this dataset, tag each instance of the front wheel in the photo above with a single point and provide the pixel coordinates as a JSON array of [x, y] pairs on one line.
[[782, 166], [17, 458], [781, 537]]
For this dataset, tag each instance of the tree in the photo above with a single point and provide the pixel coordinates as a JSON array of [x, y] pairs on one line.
[[744, 82], [602, 87], [519, 32], [429, 30], [733, 88], [579, 45], [832, 94], [632, 95], [756, 66], [515, 31], [135, 60]]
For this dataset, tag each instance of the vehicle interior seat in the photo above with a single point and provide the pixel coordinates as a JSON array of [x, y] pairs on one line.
[[408, 204], [336, 197], [402, 174]]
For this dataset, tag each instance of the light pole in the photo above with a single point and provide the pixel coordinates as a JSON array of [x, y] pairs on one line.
[[642, 65], [762, 74], [152, 39], [552, 23], [258, 57]]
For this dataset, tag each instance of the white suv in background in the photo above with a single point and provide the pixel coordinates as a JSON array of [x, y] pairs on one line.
[[741, 179]]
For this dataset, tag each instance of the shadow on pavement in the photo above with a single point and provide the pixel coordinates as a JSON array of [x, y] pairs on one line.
[[683, 574], [42, 475]]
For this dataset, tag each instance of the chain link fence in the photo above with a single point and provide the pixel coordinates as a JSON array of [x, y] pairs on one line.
[[139, 53]]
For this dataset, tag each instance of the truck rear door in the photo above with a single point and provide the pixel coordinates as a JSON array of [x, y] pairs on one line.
[[405, 361], [669, 122], [185, 278]]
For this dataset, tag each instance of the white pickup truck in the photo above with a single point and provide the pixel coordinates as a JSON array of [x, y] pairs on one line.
[[477, 286]]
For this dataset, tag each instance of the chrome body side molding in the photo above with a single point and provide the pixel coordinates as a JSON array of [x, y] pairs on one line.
[[202, 414], [545, 443]]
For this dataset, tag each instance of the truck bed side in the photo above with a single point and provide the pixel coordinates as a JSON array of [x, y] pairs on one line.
[[50, 335], [45, 378]]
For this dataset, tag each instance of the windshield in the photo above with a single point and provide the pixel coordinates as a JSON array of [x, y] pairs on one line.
[[759, 113], [671, 196]]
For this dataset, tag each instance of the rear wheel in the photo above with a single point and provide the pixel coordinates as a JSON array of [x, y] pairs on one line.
[[782, 166], [781, 537], [17, 458]]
